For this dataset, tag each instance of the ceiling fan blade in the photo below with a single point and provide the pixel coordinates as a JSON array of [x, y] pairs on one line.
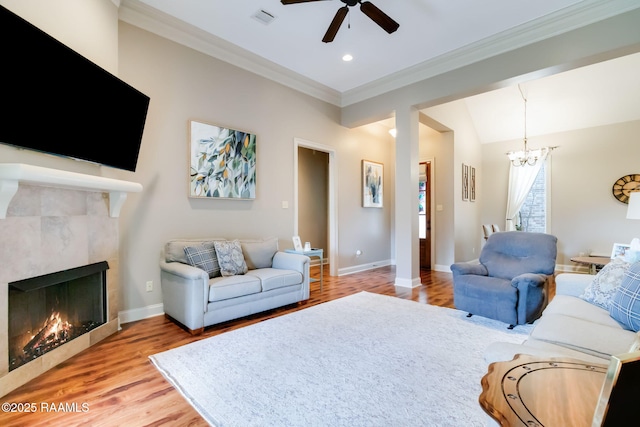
[[379, 17], [335, 24], [297, 1]]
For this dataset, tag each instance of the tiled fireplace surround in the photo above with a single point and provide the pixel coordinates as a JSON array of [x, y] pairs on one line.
[[46, 230]]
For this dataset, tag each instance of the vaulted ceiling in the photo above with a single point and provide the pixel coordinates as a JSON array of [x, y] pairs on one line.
[[433, 35]]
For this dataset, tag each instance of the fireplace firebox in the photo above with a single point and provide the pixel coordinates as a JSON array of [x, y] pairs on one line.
[[48, 311]]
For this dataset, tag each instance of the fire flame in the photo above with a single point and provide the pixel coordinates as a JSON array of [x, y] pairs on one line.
[[56, 325], [53, 330]]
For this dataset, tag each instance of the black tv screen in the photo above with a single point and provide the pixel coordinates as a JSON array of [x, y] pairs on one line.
[[56, 101]]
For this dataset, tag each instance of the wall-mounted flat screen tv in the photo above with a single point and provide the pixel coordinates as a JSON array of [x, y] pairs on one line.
[[56, 101]]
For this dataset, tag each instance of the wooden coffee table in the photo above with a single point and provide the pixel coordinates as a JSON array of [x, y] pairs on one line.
[[594, 262], [534, 392]]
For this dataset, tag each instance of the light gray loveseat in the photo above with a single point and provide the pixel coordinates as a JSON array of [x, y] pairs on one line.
[[197, 298], [571, 327]]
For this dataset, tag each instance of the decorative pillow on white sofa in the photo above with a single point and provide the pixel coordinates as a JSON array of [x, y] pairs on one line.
[[625, 304], [230, 258], [605, 283], [203, 256]]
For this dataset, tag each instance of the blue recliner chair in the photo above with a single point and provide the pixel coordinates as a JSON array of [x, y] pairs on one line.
[[511, 282]]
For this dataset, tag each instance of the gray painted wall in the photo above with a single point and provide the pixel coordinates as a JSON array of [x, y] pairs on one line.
[[186, 85]]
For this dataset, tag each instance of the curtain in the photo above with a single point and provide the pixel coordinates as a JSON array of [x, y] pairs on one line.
[[521, 180]]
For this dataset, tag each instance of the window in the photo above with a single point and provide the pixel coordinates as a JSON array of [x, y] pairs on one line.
[[533, 213], [422, 201], [422, 209]]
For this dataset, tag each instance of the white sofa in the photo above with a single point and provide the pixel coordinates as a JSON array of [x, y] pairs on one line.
[[571, 327], [195, 299]]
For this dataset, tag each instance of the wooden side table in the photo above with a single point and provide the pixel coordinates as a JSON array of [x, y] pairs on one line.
[[594, 262], [535, 392], [312, 253]]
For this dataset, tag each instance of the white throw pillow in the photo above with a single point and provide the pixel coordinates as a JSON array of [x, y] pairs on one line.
[[230, 258], [605, 283]]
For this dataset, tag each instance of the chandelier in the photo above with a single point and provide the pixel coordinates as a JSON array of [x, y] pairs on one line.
[[527, 156]]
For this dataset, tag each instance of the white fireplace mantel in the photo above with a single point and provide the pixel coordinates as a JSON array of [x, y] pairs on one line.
[[11, 174]]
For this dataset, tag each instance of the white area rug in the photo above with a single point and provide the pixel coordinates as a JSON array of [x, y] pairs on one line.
[[362, 360]]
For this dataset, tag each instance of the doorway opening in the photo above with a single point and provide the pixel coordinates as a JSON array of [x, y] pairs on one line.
[[306, 173], [424, 214]]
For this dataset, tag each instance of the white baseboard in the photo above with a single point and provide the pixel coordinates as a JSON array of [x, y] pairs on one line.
[[127, 316], [363, 267], [560, 268], [135, 314], [563, 268], [408, 283], [442, 268]]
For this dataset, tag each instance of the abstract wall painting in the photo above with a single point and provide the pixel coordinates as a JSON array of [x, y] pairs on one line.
[[372, 184], [222, 162]]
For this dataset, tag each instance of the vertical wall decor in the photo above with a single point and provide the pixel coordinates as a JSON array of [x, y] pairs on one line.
[[222, 162], [472, 185], [372, 179], [465, 182]]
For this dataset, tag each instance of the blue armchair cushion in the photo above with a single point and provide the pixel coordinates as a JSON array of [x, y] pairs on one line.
[[468, 268], [528, 279], [510, 254]]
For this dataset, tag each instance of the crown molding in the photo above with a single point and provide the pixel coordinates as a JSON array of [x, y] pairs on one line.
[[143, 16], [579, 15], [570, 18]]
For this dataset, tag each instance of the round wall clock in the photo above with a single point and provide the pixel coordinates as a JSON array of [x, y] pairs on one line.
[[626, 185]]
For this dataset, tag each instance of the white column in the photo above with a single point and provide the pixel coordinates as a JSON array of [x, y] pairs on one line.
[[406, 200]]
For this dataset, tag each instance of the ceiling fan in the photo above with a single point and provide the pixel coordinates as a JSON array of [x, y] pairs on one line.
[[368, 8]]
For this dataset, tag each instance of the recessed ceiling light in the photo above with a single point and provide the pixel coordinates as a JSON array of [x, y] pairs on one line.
[[347, 58]]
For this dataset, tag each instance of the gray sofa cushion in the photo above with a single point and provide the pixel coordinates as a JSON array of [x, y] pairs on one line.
[[230, 258], [174, 249], [204, 257], [222, 288], [259, 253], [274, 278]]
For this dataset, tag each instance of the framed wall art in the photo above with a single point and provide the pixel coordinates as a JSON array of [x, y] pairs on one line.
[[372, 184], [222, 162], [472, 184], [465, 182]]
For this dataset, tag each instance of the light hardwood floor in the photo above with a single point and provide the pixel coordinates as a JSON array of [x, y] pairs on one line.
[[114, 384]]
